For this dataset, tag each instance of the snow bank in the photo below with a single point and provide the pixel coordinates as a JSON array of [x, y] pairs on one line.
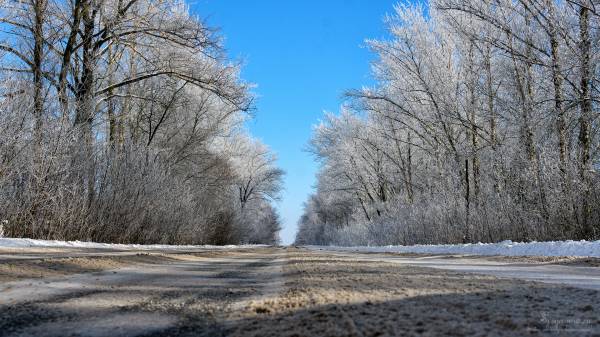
[[507, 248], [25, 243]]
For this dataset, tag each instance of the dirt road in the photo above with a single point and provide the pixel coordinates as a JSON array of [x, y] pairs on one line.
[[277, 292]]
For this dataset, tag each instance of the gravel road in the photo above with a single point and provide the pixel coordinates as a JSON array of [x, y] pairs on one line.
[[278, 292]]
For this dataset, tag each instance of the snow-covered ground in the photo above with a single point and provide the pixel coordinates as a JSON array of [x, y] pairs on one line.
[[506, 248], [29, 243]]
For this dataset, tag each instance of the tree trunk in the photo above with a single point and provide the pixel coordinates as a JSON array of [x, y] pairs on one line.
[[468, 232], [492, 116], [110, 103], [39, 8], [409, 180], [67, 54], [473, 125], [561, 124], [584, 120], [85, 103]]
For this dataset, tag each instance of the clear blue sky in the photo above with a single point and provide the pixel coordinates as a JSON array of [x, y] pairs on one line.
[[302, 55]]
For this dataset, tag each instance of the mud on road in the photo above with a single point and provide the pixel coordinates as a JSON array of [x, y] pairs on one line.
[[275, 292]]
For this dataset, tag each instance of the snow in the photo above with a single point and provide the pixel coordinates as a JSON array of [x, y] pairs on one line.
[[28, 243], [506, 248]]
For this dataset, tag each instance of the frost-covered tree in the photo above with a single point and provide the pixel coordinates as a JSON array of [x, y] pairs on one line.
[[117, 118], [480, 128]]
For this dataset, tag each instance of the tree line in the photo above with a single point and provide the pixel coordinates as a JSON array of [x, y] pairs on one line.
[[122, 121], [483, 126]]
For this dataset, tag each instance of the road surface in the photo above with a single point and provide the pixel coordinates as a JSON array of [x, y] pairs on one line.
[[290, 292], [581, 275]]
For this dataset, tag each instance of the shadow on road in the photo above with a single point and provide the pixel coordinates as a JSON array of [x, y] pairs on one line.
[[296, 293], [478, 314]]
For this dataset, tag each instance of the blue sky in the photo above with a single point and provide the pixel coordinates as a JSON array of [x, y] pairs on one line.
[[302, 55]]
